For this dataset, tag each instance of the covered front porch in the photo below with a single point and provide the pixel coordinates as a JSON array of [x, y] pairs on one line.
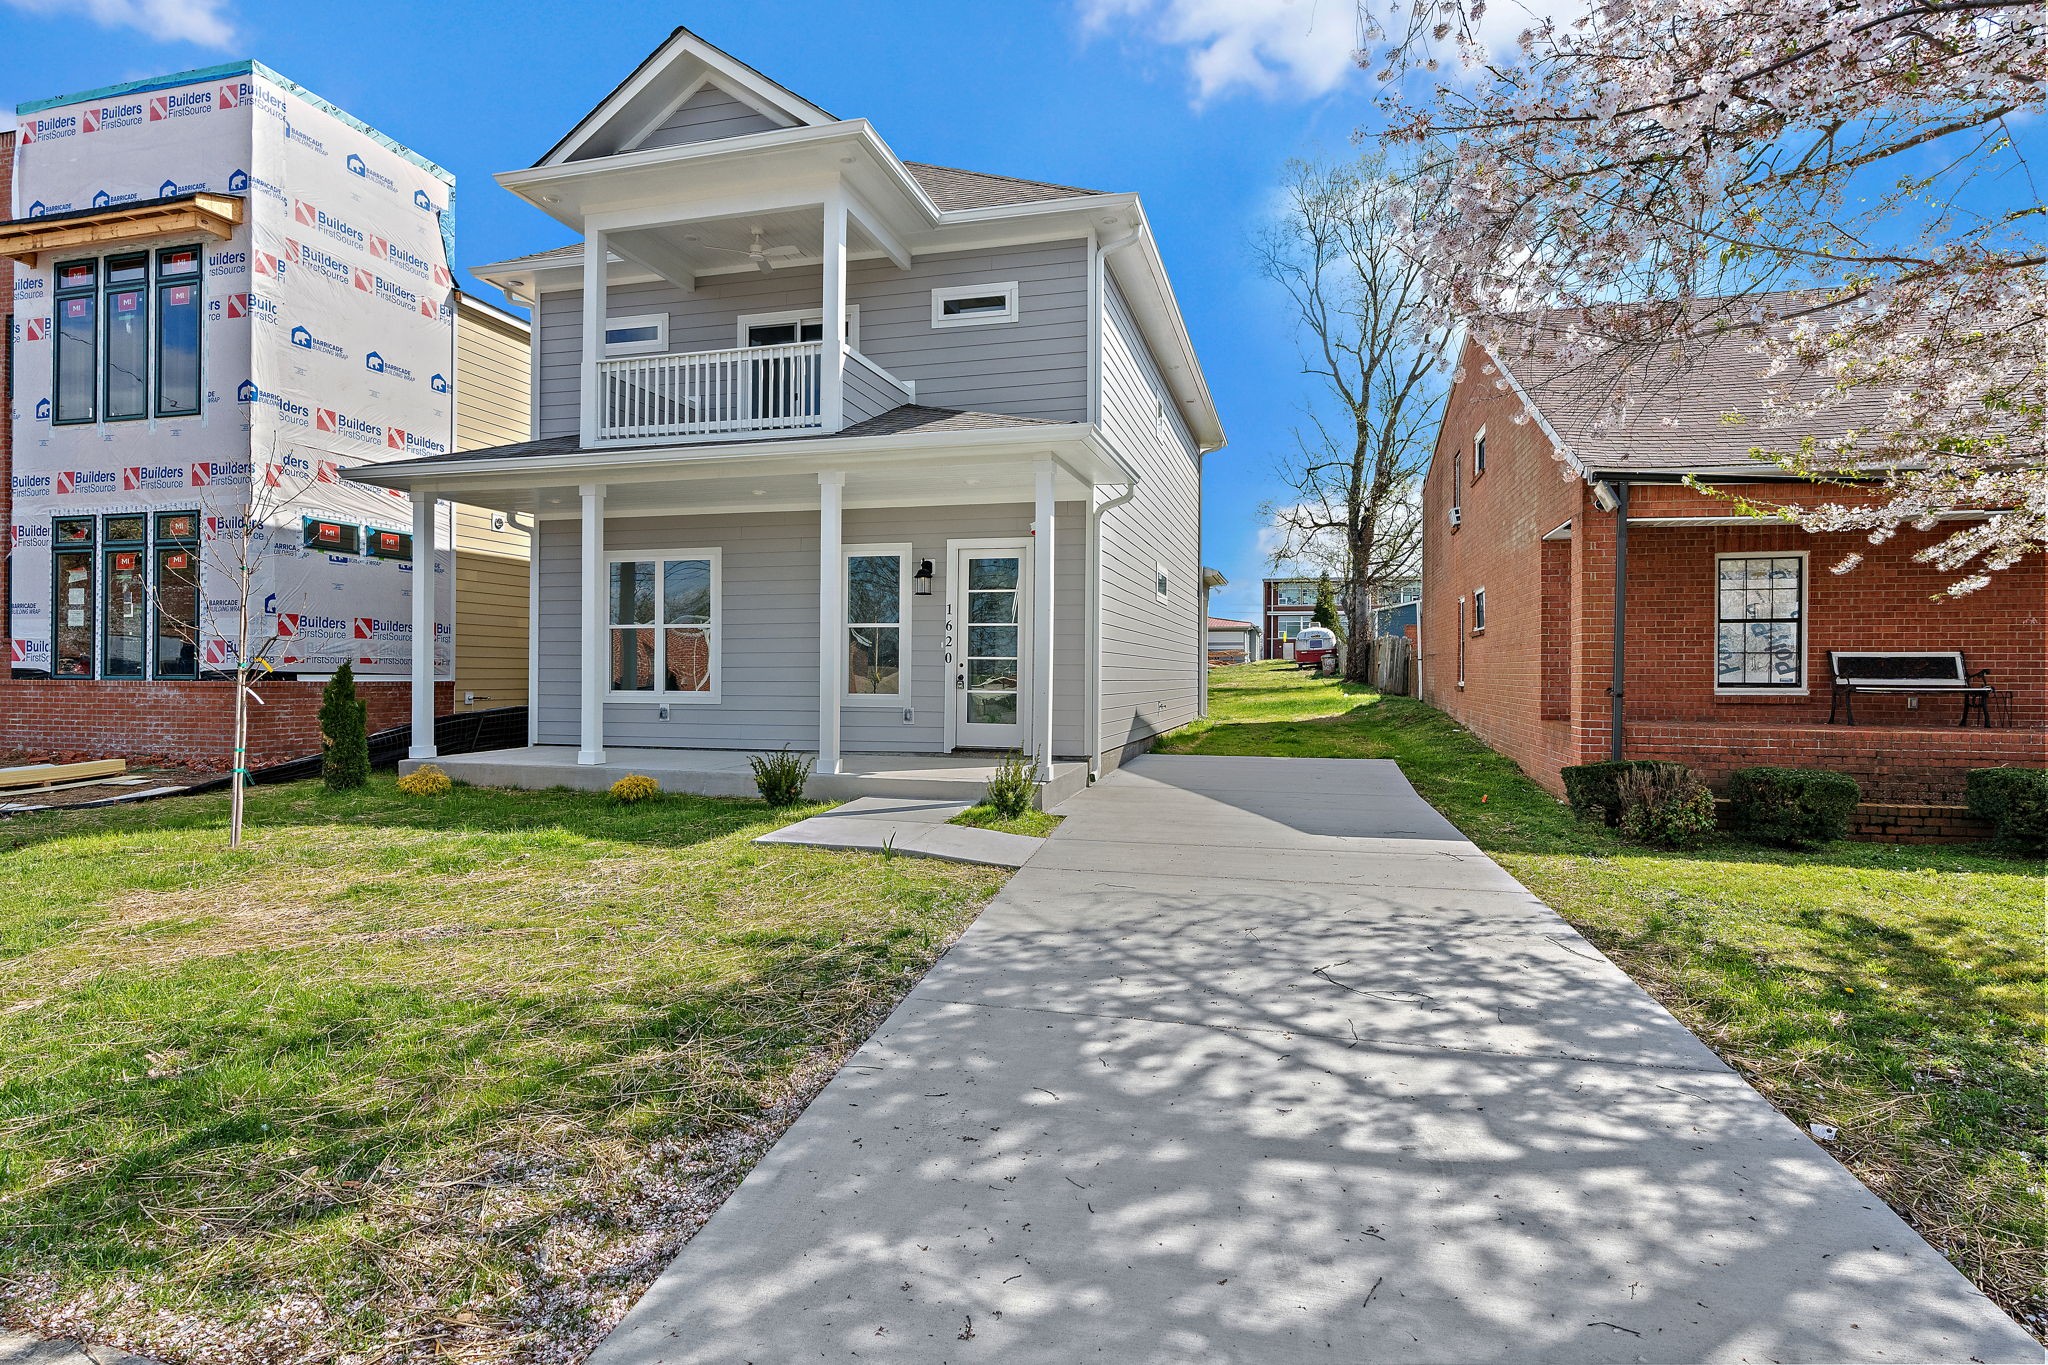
[[903, 606], [726, 772]]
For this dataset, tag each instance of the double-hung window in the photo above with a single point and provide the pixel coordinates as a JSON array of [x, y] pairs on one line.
[[76, 543], [663, 615], [1760, 623], [877, 617], [128, 336], [176, 604], [124, 597]]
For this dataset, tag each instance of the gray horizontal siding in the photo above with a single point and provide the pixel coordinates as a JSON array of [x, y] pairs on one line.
[[867, 393], [706, 116], [1035, 367], [769, 613], [1151, 650]]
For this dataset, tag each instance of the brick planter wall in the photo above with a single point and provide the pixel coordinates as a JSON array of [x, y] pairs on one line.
[[189, 723]]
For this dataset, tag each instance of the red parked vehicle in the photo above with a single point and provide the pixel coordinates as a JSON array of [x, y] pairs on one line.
[[1312, 645]]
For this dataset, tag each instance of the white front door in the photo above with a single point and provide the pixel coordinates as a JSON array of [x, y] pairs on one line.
[[988, 614]]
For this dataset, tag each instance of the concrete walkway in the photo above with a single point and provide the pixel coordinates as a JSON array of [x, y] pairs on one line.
[[17, 1349], [917, 828], [1259, 1060]]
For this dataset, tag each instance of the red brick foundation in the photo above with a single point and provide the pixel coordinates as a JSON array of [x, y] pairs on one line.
[[182, 723], [1917, 824], [1895, 766]]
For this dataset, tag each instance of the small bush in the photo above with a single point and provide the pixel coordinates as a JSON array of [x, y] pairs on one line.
[[425, 780], [781, 777], [344, 733], [1796, 807], [2014, 799], [1594, 791], [635, 787], [1011, 789], [1665, 806]]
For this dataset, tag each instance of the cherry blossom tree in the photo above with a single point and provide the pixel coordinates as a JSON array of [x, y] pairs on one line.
[[1841, 182]]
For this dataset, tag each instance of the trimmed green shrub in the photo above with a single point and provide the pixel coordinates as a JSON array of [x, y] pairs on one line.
[[344, 733], [1010, 790], [1796, 807], [2014, 799], [1665, 808], [1592, 788], [780, 777]]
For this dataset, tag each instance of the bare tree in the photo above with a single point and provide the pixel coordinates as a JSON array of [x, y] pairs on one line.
[[1374, 334]]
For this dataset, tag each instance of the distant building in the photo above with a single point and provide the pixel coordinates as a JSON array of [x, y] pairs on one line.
[[1232, 642], [1290, 605]]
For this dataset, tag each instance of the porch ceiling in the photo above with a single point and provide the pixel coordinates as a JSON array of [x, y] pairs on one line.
[[713, 246]]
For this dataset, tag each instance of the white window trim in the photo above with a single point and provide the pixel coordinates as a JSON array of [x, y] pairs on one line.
[[943, 295], [1479, 611], [662, 696], [798, 316], [658, 346], [1159, 576], [1479, 452], [1805, 687], [905, 601]]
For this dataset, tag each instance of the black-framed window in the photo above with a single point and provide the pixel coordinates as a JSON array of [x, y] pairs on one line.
[[390, 544], [178, 312], [124, 596], [1760, 622], [1479, 453], [74, 596], [335, 537], [1478, 610], [175, 629], [75, 381], [124, 307]]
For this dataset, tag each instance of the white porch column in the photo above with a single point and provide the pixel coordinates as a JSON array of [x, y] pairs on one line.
[[595, 250], [1042, 585], [831, 617], [423, 594], [596, 648], [833, 378]]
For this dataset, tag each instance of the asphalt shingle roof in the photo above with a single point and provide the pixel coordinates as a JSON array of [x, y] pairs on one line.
[[952, 188]]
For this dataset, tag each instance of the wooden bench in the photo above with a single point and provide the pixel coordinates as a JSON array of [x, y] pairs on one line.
[[1907, 672]]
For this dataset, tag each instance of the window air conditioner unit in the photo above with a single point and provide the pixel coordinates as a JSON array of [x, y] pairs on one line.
[[1456, 516]]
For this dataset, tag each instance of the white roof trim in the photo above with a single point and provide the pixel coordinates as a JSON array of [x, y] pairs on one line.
[[1558, 443]]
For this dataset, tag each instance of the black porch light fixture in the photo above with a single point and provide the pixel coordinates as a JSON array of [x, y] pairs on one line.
[[922, 579]]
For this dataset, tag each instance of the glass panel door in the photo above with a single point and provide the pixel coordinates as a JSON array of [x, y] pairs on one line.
[[989, 672], [786, 386]]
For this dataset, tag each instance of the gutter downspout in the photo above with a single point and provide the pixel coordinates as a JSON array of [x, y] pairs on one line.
[[1095, 511], [1095, 625], [1618, 682]]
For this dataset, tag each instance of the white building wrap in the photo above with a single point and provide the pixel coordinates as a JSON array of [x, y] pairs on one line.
[[327, 340]]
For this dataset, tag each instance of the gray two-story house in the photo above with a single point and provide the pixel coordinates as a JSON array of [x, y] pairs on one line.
[[893, 463]]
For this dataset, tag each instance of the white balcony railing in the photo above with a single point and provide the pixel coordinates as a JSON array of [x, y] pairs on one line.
[[706, 393]]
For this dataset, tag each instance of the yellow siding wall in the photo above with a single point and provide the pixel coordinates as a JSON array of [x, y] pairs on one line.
[[493, 381]]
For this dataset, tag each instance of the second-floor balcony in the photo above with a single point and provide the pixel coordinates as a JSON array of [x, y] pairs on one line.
[[744, 390]]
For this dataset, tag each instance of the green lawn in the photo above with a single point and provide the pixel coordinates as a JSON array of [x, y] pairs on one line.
[[1036, 823], [454, 1073], [1896, 992]]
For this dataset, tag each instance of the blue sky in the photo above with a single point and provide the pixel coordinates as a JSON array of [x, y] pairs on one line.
[[1194, 104]]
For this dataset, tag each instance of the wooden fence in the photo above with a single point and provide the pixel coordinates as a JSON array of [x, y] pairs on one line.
[[1391, 666]]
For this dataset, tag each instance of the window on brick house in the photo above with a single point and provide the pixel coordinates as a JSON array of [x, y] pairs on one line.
[[1760, 623], [1479, 611], [1479, 454], [1457, 489], [1461, 642]]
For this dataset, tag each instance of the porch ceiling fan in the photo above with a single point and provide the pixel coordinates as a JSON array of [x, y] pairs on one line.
[[764, 257]]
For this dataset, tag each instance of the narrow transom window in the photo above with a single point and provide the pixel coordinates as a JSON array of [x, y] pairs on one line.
[[664, 625], [1760, 623], [974, 304], [335, 537], [644, 334], [878, 601]]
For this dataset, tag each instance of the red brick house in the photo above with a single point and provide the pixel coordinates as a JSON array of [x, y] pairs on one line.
[[1533, 507]]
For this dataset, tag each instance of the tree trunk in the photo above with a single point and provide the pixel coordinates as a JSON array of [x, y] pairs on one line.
[[1357, 601]]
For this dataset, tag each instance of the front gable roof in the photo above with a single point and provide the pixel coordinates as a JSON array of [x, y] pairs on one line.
[[678, 71]]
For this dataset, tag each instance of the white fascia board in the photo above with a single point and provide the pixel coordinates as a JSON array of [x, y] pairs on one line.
[[1163, 323], [1557, 442], [597, 465]]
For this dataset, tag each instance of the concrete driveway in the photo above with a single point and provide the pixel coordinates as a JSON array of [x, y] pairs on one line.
[[1260, 1060]]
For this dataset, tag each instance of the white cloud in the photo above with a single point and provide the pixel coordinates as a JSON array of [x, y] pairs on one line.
[[204, 23], [1279, 48], [1284, 49]]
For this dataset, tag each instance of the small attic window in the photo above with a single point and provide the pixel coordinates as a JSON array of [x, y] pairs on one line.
[[974, 305], [646, 334]]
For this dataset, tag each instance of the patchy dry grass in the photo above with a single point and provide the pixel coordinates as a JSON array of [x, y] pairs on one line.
[[410, 1080], [1897, 992]]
